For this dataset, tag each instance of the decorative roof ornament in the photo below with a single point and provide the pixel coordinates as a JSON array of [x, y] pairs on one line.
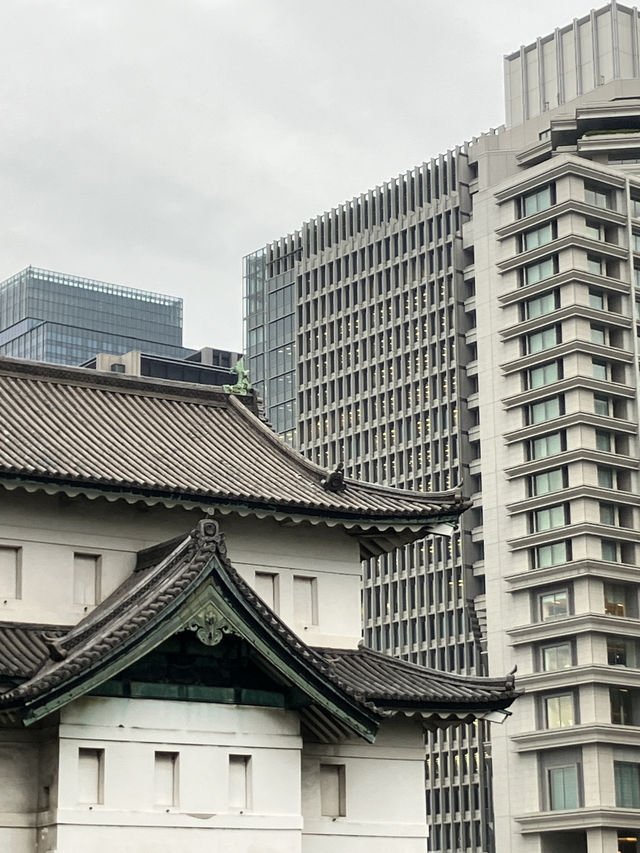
[[242, 386], [334, 482]]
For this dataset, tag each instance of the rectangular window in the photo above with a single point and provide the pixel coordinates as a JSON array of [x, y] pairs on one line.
[[546, 445], [541, 340], [607, 514], [621, 701], [553, 605], [635, 242], [603, 440], [547, 481], [627, 776], [610, 551], [91, 776], [545, 410], [10, 572], [86, 579], [596, 299], [621, 652], [596, 265], [549, 517], [605, 477], [266, 585], [540, 305], [600, 369], [537, 237], [563, 788], [239, 782], [305, 600], [165, 779], [598, 196], [554, 554], [615, 600], [332, 790], [533, 273], [536, 201], [559, 711], [594, 229], [556, 657], [601, 405], [545, 374]]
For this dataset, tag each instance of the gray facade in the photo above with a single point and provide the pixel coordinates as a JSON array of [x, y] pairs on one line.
[[474, 322], [56, 317]]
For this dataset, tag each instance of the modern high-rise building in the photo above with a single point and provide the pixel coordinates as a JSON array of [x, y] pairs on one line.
[[475, 322], [56, 317]]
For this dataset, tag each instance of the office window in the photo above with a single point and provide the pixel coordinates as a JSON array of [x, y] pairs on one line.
[[545, 410], [556, 657], [537, 200], [553, 605], [627, 778], [533, 273], [610, 550], [603, 440], [549, 517], [635, 242], [616, 600], [332, 790], [541, 340], [91, 776], [86, 579], [548, 481], [596, 265], [596, 298], [621, 652], [635, 208], [239, 782], [605, 477], [598, 196], [554, 554], [546, 445], [600, 369], [266, 585], [598, 334], [540, 305], [563, 788], [621, 701], [537, 237], [559, 711], [10, 572], [607, 514], [544, 374], [165, 785], [594, 229], [305, 600], [601, 405]]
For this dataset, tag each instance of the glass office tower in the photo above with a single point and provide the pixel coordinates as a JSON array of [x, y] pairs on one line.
[[50, 316]]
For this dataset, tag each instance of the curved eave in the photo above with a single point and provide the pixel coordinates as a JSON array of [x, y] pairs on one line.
[[389, 531]]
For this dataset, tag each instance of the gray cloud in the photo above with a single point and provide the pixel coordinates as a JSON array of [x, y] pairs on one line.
[[154, 144]]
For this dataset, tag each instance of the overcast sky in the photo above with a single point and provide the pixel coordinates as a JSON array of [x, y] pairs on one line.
[[153, 143]]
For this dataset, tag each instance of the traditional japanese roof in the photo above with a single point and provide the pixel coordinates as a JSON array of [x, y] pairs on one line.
[[196, 588], [121, 437]]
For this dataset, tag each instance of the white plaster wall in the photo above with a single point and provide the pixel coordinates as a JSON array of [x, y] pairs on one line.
[[203, 735], [385, 801], [49, 529]]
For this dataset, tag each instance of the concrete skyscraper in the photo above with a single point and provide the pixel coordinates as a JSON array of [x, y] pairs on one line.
[[474, 322]]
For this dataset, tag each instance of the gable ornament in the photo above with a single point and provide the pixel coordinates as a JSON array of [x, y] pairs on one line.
[[209, 626]]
